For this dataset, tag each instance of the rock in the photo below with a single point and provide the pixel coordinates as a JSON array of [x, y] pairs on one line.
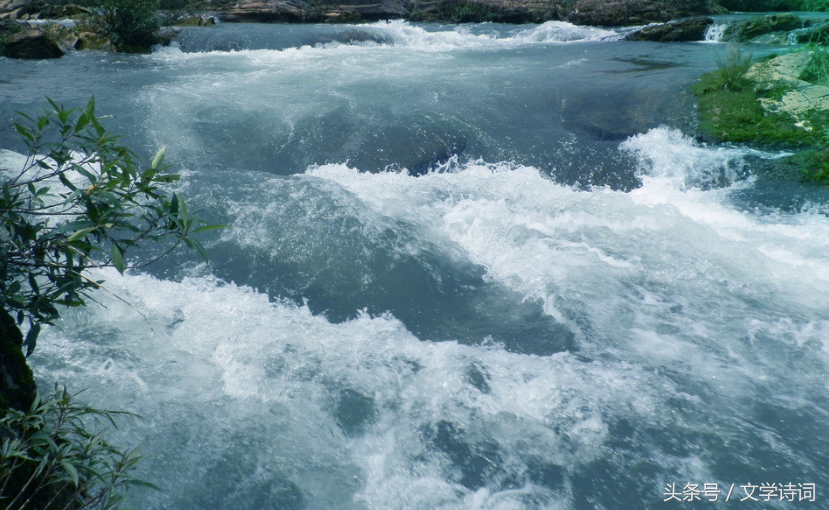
[[815, 35], [637, 12], [799, 101], [585, 12], [17, 385], [374, 12], [195, 21], [261, 11], [784, 70], [65, 40], [65, 11], [10, 5], [19, 9], [689, 29], [801, 97], [32, 44], [762, 25], [291, 11], [93, 41]]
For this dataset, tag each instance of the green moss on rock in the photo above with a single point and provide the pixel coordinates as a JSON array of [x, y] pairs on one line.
[[780, 103], [762, 25]]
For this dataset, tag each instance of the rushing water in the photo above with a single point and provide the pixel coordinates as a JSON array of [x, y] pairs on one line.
[[478, 267]]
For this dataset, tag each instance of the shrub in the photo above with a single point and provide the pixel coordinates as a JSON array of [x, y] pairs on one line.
[[131, 24], [80, 200]]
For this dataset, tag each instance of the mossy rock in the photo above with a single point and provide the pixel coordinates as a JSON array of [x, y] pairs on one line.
[[94, 41], [30, 44], [818, 35], [762, 25], [195, 21], [781, 103], [750, 106]]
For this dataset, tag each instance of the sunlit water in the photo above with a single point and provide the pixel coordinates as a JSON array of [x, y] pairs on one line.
[[480, 267]]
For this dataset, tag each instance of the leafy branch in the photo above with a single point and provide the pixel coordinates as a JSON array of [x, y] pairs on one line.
[[80, 200], [49, 460]]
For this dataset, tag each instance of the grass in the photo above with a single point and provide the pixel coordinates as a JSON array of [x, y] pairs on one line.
[[817, 71]]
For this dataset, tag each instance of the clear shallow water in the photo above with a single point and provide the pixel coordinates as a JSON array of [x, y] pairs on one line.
[[468, 268]]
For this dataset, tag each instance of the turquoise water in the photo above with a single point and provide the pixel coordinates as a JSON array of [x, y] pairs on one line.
[[477, 267]]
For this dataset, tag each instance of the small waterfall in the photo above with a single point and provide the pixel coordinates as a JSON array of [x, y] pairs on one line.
[[714, 32]]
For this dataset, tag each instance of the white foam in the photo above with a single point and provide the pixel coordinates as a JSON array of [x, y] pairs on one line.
[[665, 279], [407, 35], [457, 37], [560, 245], [226, 350]]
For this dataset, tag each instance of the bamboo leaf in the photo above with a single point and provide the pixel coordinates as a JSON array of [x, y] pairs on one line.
[[159, 158], [210, 227], [117, 258], [70, 470], [24, 132], [31, 338], [192, 243], [80, 233], [174, 205]]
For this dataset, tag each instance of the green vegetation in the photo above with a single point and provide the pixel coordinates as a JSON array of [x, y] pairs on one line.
[[132, 25], [80, 200], [775, 5], [817, 71], [50, 458], [731, 109]]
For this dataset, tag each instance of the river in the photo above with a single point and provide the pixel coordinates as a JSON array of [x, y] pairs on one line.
[[468, 267]]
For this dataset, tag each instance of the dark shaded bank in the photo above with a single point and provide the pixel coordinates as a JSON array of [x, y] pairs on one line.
[[581, 12]]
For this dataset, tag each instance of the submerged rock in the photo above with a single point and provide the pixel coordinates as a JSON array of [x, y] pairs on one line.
[[689, 29]]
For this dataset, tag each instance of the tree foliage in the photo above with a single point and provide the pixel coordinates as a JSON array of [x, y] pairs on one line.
[[80, 200]]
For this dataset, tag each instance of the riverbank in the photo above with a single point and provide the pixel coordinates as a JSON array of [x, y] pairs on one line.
[[27, 26], [780, 102]]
